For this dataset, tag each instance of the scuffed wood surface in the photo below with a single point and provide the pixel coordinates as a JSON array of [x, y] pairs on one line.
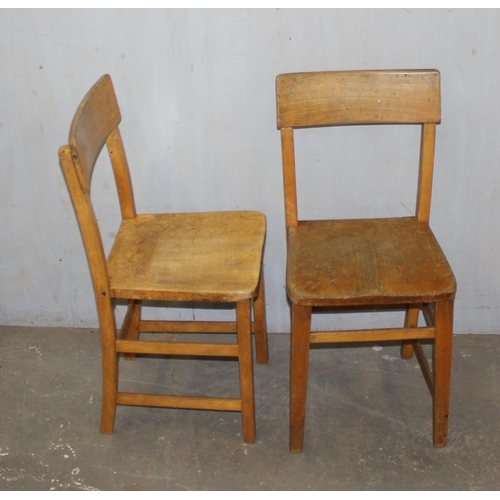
[[358, 97], [202, 256], [367, 261], [96, 117]]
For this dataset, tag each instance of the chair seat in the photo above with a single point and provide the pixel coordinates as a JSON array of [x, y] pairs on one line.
[[212, 256], [368, 261]]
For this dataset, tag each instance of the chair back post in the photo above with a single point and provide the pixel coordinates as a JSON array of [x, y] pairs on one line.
[[91, 238], [100, 279], [94, 124], [290, 185], [121, 172], [306, 100], [425, 173]]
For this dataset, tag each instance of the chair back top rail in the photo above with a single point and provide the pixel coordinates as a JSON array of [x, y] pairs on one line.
[[97, 116], [358, 98]]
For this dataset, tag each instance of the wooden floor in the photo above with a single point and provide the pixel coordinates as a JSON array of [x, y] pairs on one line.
[[368, 423]]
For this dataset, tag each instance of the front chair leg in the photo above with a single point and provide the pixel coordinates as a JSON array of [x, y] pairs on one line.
[[244, 325], [299, 364], [442, 371]]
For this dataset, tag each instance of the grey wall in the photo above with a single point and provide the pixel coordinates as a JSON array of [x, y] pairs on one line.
[[196, 89]]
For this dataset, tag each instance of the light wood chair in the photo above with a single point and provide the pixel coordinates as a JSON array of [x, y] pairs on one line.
[[199, 257], [366, 263]]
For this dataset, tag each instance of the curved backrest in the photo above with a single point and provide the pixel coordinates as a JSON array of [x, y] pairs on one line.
[[96, 117], [358, 98]]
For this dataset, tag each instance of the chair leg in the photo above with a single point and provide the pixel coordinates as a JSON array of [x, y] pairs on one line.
[[109, 378], [259, 317], [411, 321], [244, 322], [442, 371], [133, 329], [299, 364]]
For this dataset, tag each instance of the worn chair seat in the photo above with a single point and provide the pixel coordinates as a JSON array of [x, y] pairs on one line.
[[212, 256], [366, 261]]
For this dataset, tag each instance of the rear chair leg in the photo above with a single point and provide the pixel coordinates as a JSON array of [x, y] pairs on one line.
[[259, 316], [411, 321], [109, 381], [133, 329]]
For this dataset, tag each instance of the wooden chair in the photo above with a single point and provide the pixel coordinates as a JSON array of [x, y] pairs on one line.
[[205, 257], [366, 263]]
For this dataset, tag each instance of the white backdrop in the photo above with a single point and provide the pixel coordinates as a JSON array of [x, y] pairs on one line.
[[196, 90]]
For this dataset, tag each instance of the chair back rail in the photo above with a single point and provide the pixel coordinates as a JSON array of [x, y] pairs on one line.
[[358, 98]]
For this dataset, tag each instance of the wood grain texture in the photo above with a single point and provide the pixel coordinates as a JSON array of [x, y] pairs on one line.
[[358, 98], [202, 257], [95, 118], [366, 261]]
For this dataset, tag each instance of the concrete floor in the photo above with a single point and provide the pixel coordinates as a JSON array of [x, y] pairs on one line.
[[368, 424]]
